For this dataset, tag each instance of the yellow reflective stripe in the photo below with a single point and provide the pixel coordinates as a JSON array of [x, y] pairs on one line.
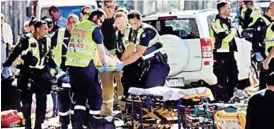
[[77, 62], [82, 51], [269, 37]]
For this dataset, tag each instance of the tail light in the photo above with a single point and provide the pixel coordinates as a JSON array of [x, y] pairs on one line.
[[206, 47]]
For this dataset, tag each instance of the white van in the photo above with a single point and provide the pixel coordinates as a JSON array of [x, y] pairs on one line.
[[66, 7]]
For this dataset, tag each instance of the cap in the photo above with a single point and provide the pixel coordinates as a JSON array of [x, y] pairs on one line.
[[221, 4], [48, 20], [2, 15]]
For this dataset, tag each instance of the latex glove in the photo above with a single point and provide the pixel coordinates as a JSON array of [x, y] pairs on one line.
[[5, 72], [58, 69], [120, 66], [259, 57], [60, 74], [65, 79], [105, 68]]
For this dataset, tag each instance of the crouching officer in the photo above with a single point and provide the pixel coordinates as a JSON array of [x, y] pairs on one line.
[[149, 48], [225, 65], [85, 42], [34, 50], [268, 63], [60, 42]]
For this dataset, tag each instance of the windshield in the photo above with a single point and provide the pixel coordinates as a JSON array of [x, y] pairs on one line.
[[185, 28], [65, 10]]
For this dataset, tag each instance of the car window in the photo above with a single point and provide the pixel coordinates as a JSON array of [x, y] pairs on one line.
[[185, 28]]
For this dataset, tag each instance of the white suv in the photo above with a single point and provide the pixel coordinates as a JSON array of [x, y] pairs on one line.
[[189, 47]]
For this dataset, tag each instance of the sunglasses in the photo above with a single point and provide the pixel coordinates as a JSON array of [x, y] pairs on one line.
[[110, 7], [85, 13]]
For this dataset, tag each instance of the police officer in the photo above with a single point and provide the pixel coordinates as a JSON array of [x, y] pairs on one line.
[[149, 51], [225, 66], [34, 76], [268, 63], [85, 42], [60, 43], [246, 10]]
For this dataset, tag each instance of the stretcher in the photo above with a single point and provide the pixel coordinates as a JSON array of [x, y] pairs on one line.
[[161, 107]]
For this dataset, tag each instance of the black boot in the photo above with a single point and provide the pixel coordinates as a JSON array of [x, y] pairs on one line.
[[28, 124], [38, 126]]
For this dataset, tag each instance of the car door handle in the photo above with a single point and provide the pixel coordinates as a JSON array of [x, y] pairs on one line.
[[197, 56]]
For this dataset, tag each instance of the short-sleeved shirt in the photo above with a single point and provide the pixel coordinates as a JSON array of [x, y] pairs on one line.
[[147, 36], [97, 36]]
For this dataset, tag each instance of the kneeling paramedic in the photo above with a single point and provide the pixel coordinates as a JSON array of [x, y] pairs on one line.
[[149, 50], [60, 42], [225, 65], [34, 77], [85, 42]]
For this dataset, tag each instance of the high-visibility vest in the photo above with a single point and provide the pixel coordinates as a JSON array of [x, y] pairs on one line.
[[57, 53], [34, 47], [255, 16], [253, 8], [216, 27], [156, 39], [269, 38], [81, 48]]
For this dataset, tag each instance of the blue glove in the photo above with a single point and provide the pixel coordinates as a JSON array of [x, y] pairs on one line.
[[58, 69], [64, 79], [120, 66], [259, 57], [5, 72], [105, 68]]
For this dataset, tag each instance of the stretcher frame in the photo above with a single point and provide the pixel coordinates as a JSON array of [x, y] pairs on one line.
[[159, 114]]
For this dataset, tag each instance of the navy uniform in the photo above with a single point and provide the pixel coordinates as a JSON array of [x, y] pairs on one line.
[[225, 65], [152, 68], [34, 76], [59, 43]]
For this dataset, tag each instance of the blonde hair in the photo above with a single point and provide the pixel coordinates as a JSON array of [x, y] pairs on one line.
[[73, 16], [120, 14]]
